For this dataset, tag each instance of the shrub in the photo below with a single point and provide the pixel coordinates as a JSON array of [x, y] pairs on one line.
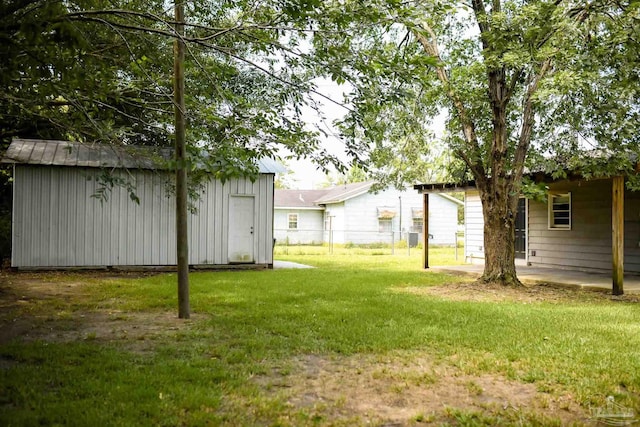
[[5, 236]]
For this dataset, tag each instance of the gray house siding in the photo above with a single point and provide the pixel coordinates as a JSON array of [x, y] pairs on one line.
[[632, 231], [56, 222], [361, 222], [587, 245]]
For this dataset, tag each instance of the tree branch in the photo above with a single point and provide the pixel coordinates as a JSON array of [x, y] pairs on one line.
[[528, 119], [481, 16], [468, 127], [196, 40]]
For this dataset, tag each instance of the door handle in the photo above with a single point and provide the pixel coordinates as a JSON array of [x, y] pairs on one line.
[[251, 230]]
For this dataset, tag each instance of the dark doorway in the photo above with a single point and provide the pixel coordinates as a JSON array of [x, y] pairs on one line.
[[521, 229]]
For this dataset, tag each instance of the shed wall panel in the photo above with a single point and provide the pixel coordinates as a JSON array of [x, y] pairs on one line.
[[57, 222]]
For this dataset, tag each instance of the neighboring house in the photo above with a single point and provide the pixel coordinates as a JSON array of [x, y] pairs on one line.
[[298, 220], [58, 221], [573, 229], [351, 213]]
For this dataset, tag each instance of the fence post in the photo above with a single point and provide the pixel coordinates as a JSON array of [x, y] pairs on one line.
[[330, 234], [455, 243], [393, 243], [408, 244]]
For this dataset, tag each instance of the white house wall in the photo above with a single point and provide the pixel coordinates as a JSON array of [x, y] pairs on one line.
[[337, 212], [310, 226], [443, 220], [358, 220], [474, 227], [56, 222]]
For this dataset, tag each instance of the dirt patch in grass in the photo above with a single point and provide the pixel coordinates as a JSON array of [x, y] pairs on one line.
[[528, 293], [40, 306], [408, 389]]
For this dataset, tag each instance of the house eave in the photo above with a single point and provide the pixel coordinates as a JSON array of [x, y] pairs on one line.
[[444, 187], [300, 208], [451, 199], [537, 177]]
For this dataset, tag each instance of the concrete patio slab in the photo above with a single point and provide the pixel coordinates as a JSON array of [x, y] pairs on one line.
[[572, 278]]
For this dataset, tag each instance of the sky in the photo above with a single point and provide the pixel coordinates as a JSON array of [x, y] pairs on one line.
[[304, 173]]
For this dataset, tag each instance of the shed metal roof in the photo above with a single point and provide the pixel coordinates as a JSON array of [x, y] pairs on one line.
[[67, 153]]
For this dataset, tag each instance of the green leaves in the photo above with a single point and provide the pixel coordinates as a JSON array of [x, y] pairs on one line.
[[544, 77]]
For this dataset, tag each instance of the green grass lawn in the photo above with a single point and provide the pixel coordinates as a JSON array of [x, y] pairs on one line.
[[400, 256], [237, 361]]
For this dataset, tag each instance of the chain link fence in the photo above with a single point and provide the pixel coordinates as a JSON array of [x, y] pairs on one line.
[[389, 242]]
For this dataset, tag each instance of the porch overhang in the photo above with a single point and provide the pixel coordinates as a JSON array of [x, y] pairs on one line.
[[444, 187], [617, 216]]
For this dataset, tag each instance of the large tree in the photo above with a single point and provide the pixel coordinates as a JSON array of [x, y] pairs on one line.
[[521, 82]]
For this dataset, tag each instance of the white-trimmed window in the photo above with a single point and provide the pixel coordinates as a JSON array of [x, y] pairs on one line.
[[385, 219], [385, 225], [560, 211], [293, 221], [416, 220]]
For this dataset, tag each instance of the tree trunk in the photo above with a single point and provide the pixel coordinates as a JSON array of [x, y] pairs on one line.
[[499, 207], [182, 243]]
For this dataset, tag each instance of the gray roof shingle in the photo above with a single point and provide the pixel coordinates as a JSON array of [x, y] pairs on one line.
[[298, 198], [340, 193], [315, 198]]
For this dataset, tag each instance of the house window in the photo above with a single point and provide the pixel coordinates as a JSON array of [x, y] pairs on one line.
[[293, 221], [385, 225], [385, 219], [416, 220], [560, 211]]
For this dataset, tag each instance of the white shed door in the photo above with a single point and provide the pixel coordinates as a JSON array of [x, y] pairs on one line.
[[241, 232]]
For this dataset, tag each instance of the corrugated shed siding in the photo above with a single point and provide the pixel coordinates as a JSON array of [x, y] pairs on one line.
[[587, 245], [58, 224], [474, 226]]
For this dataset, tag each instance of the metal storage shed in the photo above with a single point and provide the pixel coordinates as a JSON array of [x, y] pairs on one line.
[[57, 223]]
